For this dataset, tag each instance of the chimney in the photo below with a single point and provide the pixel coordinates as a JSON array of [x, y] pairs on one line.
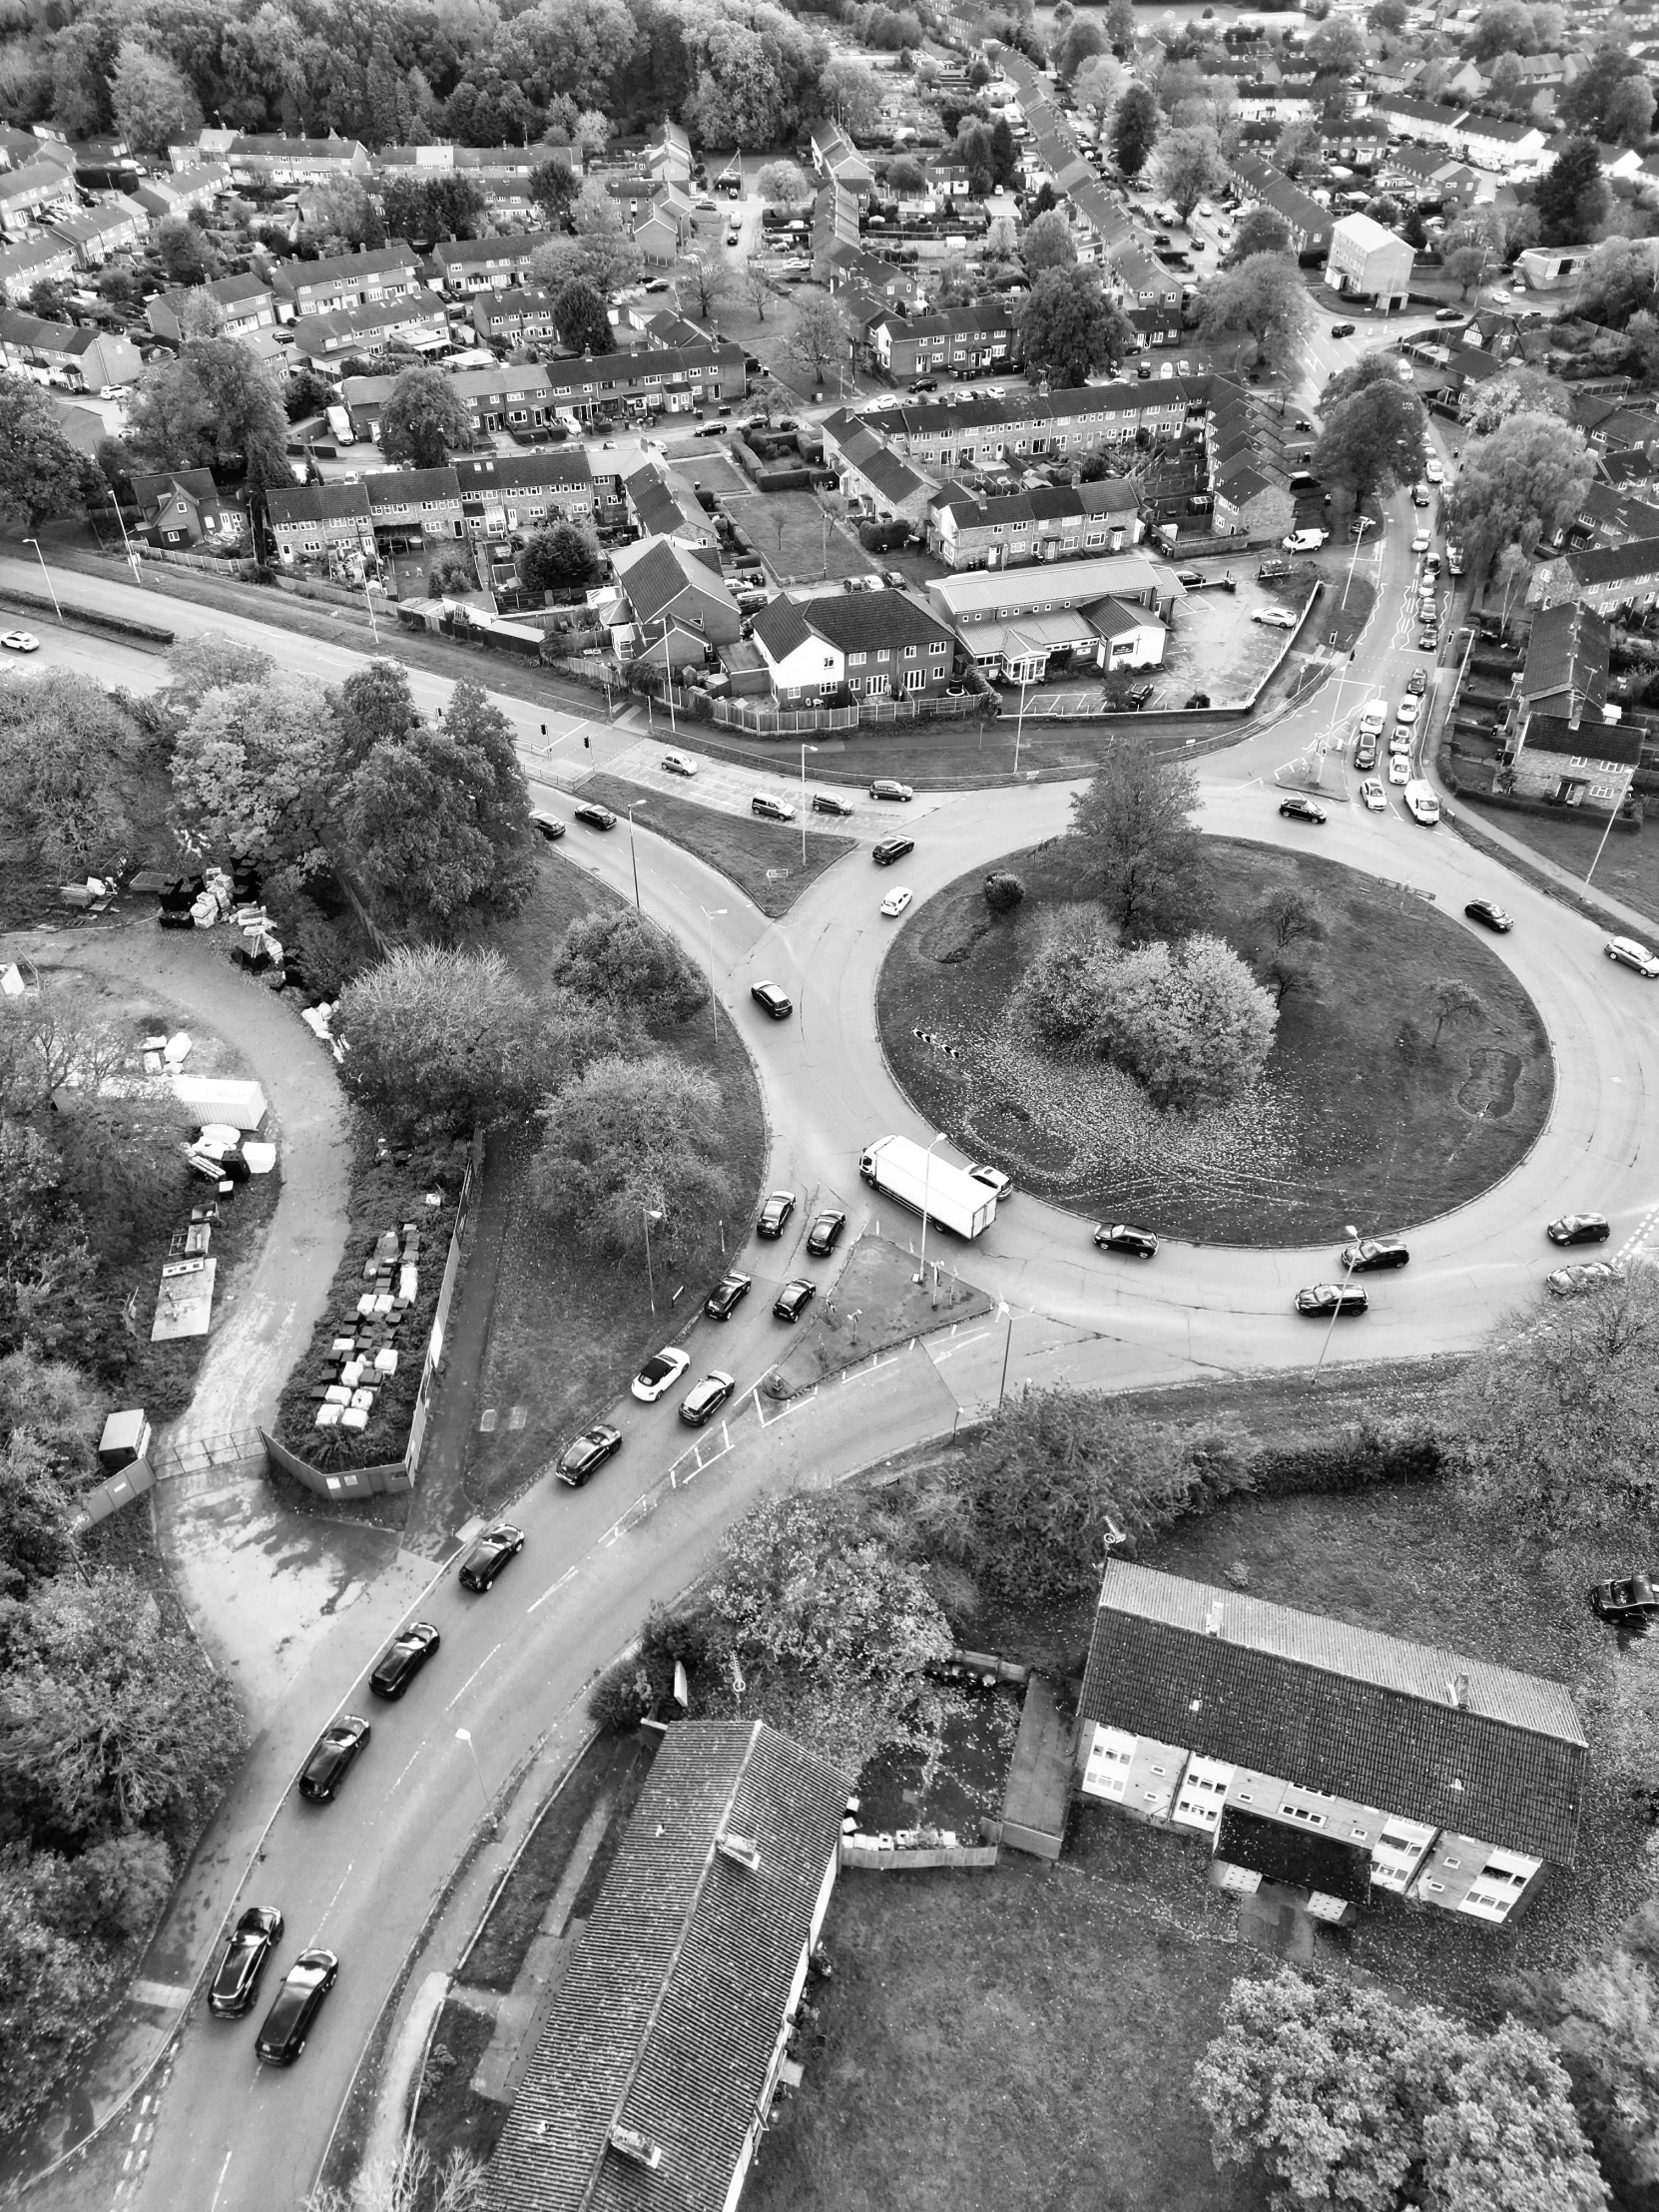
[[1458, 1692], [1212, 1619], [740, 1851]]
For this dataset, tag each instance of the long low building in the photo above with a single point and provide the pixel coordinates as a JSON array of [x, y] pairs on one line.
[[531, 395], [416, 322]]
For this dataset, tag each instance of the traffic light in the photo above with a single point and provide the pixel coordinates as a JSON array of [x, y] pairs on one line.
[[586, 742]]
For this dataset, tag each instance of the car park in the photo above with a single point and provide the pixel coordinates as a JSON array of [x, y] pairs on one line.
[[892, 848], [1326, 1298], [774, 1214], [234, 1987], [595, 815], [490, 1554], [20, 640], [334, 1754], [776, 1001], [1630, 1601], [895, 902], [292, 2015], [794, 1299], [724, 1300], [1374, 1254], [1298, 809], [679, 763], [1371, 790], [772, 810], [548, 826], [1489, 915], [1627, 952], [1123, 1236], [703, 1399], [659, 1373], [994, 1180], [1399, 768], [1274, 618], [884, 787], [1577, 1229], [403, 1659], [582, 1458], [830, 802], [1583, 1277], [825, 1232]]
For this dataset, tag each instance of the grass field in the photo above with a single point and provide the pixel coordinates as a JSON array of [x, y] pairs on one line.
[[878, 1302], [786, 529], [1355, 1121], [1629, 866], [762, 858]]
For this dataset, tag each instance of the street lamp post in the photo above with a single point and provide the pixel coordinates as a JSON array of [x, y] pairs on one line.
[[1335, 1311], [805, 750], [1007, 1347], [651, 1214], [631, 855], [927, 1182], [464, 1736], [47, 573], [711, 914], [132, 557]]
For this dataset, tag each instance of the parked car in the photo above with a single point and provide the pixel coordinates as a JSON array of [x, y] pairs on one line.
[[333, 1756], [1489, 915], [1371, 1254], [776, 1003], [1631, 1602], [895, 902], [722, 1300], [1583, 1277], [234, 1987], [1577, 1229], [1122, 1235], [659, 1373], [1140, 695], [403, 1659], [1420, 495], [1399, 768], [894, 579], [1298, 809], [774, 1214], [1407, 712], [582, 1460], [825, 1232], [892, 848], [1371, 790], [679, 763], [830, 802], [794, 1299], [1418, 682], [1373, 718], [884, 787], [705, 1399], [1435, 472], [292, 2017], [1326, 1298], [1627, 952], [490, 1554], [772, 810], [595, 815]]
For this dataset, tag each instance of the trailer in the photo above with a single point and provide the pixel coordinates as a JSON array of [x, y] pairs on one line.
[[950, 1197]]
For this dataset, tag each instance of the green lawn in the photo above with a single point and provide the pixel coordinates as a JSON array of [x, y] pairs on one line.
[[786, 530], [1354, 1121], [1629, 866], [762, 858], [878, 1303]]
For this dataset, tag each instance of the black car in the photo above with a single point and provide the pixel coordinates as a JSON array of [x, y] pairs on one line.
[[891, 850], [1420, 495], [1302, 423], [1300, 810], [1449, 315], [778, 1003], [1140, 695], [1487, 913], [794, 1299], [705, 1399], [1342, 330], [825, 1234], [595, 815], [1326, 1298], [490, 1554], [1631, 1601], [924, 384], [1576, 1229], [724, 1299], [1373, 1253], [248, 1949], [884, 787], [830, 802], [333, 1757], [299, 2001], [409, 1652], [587, 1454], [550, 827], [774, 1214], [1365, 754], [1199, 699], [1120, 1236]]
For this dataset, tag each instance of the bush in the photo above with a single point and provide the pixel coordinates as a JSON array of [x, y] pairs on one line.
[[1003, 891], [621, 961]]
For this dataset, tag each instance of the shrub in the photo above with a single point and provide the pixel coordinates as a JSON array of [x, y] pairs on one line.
[[1003, 891]]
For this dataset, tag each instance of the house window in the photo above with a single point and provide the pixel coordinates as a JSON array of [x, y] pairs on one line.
[[854, 659], [938, 646], [856, 684], [910, 652]]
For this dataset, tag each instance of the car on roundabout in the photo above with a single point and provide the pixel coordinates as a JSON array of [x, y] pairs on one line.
[[895, 902], [725, 1296], [994, 1181], [1298, 809], [293, 2014], [234, 1987], [1375, 798], [1489, 915], [1399, 768], [403, 1659], [773, 999], [548, 826], [595, 815], [1123, 1236], [585, 1455], [703, 1399], [1322, 1300], [1579, 1229], [1583, 1278], [333, 1755], [1629, 1601], [889, 849], [1371, 1254], [794, 1299], [825, 1232], [774, 1214], [1627, 952], [659, 1373], [494, 1548]]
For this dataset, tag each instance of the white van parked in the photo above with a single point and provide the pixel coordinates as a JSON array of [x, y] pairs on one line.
[[1421, 803]]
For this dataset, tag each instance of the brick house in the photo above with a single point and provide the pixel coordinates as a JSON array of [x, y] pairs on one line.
[[412, 507], [418, 320], [40, 189], [1368, 263], [677, 602], [322, 523], [181, 507], [1046, 523], [23, 266], [505, 494], [879, 482], [873, 644], [274, 162], [115, 226], [346, 280], [245, 303], [470, 266], [515, 316], [1261, 185], [979, 337], [1607, 578], [197, 186], [1561, 746], [85, 360], [661, 502], [1441, 1779]]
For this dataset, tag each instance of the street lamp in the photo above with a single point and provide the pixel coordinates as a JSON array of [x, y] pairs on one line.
[[631, 855], [926, 1175], [709, 914], [464, 1736], [47, 573], [805, 750], [1353, 1236], [651, 1214], [132, 557]]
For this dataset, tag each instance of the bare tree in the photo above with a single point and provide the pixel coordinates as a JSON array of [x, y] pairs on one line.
[[818, 338], [413, 2181], [59, 1041], [1454, 1002], [760, 288], [706, 276], [1289, 913]]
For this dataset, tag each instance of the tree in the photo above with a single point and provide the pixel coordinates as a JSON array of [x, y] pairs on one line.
[[251, 774], [60, 1039], [1189, 168], [1136, 822], [1046, 244], [434, 206], [632, 1136], [69, 754], [1371, 440], [1289, 916], [560, 557], [423, 420], [851, 93], [583, 325], [783, 184], [1465, 266], [411, 2181], [1621, 279], [1524, 482], [45, 1265], [1297, 144], [181, 252], [1570, 196], [341, 214], [1553, 1428], [1602, 2015], [49, 299], [1336, 48], [818, 339], [214, 403], [1082, 39], [151, 100], [1387, 17], [1454, 1003], [618, 958], [1583, 104], [611, 260], [1098, 83], [1260, 230], [706, 276], [1120, 25], [1070, 329], [1502, 27], [375, 706], [1628, 118], [1348, 2097], [1005, 892], [553, 186], [1134, 128], [208, 661], [758, 289], [1263, 299], [41, 473], [1520, 390], [558, 262]]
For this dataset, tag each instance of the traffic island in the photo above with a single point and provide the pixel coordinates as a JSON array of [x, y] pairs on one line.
[[876, 1304]]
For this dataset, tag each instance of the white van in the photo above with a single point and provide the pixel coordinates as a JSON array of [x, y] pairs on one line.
[[1304, 541], [1421, 803]]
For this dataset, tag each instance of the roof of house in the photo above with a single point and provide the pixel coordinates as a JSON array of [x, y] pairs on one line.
[[17, 260], [517, 245], [1112, 575], [1615, 564], [565, 465], [279, 148], [1347, 1711], [892, 478], [346, 269], [655, 571], [43, 334], [1494, 128], [1614, 743], [1567, 653], [1295, 1856], [1367, 235], [398, 311], [985, 315], [1114, 619], [153, 488], [409, 487], [873, 621], [781, 627], [316, 503], [670, 2014]]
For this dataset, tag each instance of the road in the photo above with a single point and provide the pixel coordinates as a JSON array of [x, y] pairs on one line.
[[362, 1874]]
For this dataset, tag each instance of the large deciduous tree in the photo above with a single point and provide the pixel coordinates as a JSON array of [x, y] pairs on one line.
[[1070, 329], [1046, 243], [150, 98], [1371, 439], [621, 959], [1189, 167], [633, 1137], [1260, 230], [1602, 2015], [560, 557], [69, 755], [579, 314], [424, 420], [1135, 128], [1135, 821], [1571, 196], [1263, 301], [41, 473], [1524, 482], [818, 338], [251, 774]]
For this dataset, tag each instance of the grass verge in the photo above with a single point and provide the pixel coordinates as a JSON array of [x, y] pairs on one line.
[[1357, 1118], [874, 1303], [762, 858], [451, 2116], [1627, 871]]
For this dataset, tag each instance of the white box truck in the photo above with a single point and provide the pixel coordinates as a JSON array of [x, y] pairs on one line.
[[953, 1200]]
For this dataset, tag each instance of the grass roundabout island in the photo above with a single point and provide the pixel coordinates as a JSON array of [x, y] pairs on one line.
[[1388, 1096]]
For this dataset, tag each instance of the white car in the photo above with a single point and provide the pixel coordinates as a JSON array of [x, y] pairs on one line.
[[1204, 208], [659, 1373], [897, 902], [1419, 540], [1373, 719], [1435, 472], [1628, 953], [1399, 768], [994, 1180], [20, 640], [1371, 790], [1407, 712], [1400, 742], [679, 763], [1275, 618]]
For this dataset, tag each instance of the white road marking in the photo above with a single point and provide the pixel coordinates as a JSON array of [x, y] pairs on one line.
[[472, 1678], [333, 1902], [220, 2184], [569, 1575], [420, 1748]]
